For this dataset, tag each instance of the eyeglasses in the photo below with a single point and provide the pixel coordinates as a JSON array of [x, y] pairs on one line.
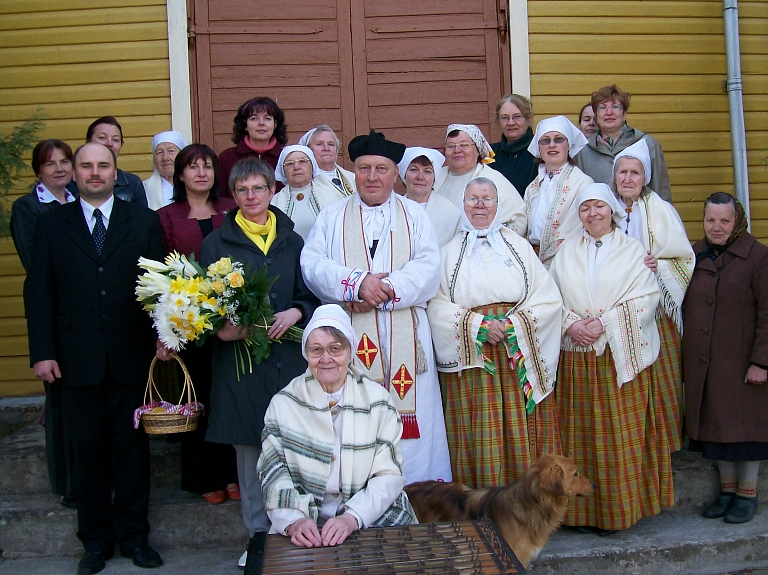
[[547, 141], [255, 190], [318, 351], [517, 119], [464, 146], [614, 107], [485, 202], [290, 163]]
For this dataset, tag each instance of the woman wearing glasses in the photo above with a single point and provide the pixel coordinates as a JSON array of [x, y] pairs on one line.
[[549, 197], [496, 332], [304, 194], [261, 237], [610, 104], [467, 156], [514, 113]]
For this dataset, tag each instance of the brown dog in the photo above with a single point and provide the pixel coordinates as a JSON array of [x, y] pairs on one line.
[[526, 512]]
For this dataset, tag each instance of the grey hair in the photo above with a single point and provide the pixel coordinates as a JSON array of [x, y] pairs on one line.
[[481, 180], [325, 128], [248, 167]]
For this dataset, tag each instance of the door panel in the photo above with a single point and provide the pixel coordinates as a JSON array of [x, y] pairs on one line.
[[402, 67]]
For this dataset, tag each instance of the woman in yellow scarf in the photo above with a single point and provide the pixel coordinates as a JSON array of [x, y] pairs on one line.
[[259, 236]]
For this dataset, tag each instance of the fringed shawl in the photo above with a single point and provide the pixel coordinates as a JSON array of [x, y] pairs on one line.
[[562, 213], [626, 297], [297, 444], [536, 316], [667, 241]]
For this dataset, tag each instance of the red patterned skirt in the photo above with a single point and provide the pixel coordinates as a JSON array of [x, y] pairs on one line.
[[491, 439], [610, 433]]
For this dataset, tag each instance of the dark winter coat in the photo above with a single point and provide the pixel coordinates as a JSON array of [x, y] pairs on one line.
[[238, 407], [725, 319], [515, 161]]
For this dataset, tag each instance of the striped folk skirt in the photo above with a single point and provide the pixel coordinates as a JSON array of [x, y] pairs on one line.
[[610, 434], [491, 439], [667, 403]]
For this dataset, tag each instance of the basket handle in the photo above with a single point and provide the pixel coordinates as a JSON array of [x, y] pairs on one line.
[[188, 388], [151, 384]]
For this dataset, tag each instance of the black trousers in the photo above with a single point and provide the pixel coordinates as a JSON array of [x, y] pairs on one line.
[[205, 467], [58, 451], [108, 453]]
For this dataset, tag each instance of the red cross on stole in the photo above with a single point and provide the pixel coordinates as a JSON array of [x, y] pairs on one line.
[[402, 382], [366, 351]]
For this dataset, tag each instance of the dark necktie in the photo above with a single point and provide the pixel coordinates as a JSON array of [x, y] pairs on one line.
[[99, 231]]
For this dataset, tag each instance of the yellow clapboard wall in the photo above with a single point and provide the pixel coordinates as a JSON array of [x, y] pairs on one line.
[[78, 60], [671, 57]]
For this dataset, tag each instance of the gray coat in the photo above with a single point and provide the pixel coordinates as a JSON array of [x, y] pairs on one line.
[[598, 162], [238, 407]]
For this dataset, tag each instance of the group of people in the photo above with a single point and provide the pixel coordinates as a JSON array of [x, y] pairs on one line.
[[521, 298]]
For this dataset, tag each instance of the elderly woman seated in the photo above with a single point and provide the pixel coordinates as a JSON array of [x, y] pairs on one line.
[[331, 461]]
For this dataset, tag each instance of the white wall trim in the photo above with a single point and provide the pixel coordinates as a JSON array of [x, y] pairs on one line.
[[181, 108], [520, 54]]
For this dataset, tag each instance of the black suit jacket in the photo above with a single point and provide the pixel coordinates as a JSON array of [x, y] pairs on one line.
[[81, 307]]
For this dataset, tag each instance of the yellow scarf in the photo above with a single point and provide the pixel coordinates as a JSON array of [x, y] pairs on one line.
[[256, 232]]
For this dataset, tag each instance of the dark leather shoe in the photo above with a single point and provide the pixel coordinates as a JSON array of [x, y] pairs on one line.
[[92, 562], [144, 556], [68, 501], [720, 507], [742, 510]]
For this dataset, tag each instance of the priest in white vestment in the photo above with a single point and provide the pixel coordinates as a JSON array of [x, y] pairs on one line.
[[376, 253]]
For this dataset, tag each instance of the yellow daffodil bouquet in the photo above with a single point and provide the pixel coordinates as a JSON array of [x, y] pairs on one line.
[[189, 303]]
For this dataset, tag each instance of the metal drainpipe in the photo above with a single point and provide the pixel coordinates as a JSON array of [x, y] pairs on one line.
[[736, 104]]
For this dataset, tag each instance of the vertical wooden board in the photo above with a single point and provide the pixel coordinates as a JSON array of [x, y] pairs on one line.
[[203, 74], [359, 66], [346, 79]]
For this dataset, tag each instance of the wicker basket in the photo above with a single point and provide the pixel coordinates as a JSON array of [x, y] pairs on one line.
[[166, 423]]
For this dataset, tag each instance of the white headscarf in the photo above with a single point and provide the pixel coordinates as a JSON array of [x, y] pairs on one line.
[[330, 315], [576, 140], [491, 233], [169, 137], [639, 151], [280, 172], [411, 154], [304, 140], [601, 192], [486, 153]]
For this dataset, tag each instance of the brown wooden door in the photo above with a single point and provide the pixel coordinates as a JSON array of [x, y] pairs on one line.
[[406, 68]]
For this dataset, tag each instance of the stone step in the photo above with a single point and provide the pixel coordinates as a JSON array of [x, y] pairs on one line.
[[38, 525], [678, 542], [23, 467]]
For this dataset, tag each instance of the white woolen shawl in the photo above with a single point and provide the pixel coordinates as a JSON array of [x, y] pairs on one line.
[[665, 237], [297, 443], [626, 297], [562, 215], [511, 205], [536, 316]]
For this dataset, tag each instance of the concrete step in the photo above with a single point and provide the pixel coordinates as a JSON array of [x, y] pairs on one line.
[[676, 542], [23, 467], [679, 542], [38, 525]]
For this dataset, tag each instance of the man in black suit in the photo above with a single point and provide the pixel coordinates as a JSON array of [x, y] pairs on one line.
[[88, 334]]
